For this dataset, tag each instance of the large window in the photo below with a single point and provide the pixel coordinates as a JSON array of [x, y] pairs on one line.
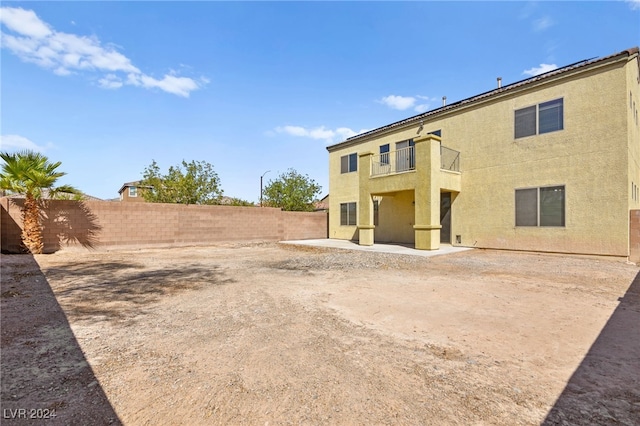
[[349, 163], [538, 119], [540, 206], [348, 214]]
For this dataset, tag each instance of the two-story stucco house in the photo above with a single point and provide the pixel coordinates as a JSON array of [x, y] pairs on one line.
[[132, 192], [550, 163]]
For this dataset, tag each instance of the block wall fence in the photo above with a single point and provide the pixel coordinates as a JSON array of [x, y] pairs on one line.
[[105, 224]]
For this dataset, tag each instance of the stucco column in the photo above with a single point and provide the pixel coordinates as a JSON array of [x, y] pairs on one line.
[[427, 193], [365, 202]]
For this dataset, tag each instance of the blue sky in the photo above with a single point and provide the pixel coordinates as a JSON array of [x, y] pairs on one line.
[[107, 87]]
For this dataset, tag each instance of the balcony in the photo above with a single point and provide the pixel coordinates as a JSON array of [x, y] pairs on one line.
[[404, 160]]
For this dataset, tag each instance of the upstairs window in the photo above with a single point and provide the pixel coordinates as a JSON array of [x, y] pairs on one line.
[[384, 154], [133, 191], [538, 119], [349, 163]]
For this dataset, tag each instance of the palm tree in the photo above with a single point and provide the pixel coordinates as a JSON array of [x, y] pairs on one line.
[[30, 173]]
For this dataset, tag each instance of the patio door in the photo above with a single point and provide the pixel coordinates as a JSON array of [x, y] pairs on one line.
[[445, 217], [405, 157]]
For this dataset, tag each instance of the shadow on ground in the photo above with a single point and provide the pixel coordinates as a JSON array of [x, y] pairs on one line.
[[44, 371], [605, 388], [120, 290]]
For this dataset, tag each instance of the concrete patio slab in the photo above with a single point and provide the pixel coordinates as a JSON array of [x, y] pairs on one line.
[[379, 247]]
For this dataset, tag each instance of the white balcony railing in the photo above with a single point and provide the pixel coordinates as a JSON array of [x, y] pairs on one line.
[[398, 161], [404, 159]]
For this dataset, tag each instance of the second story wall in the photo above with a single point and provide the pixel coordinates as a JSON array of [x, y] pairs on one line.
[[589, 157]]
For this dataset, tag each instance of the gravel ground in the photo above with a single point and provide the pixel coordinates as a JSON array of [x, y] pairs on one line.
[[277, 334]]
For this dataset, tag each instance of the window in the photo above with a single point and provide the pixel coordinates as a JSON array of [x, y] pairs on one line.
[[384, 154], [538, 119], [133, 191], [540, 206], [550, 116], [349, 163], [348, 214], [376, 212], [436, 132]]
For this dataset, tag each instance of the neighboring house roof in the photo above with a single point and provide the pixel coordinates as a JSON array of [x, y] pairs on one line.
[[135, 183], [482, 96], [323, 204]]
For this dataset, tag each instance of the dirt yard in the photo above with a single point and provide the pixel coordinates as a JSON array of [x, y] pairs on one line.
[[271, 334]]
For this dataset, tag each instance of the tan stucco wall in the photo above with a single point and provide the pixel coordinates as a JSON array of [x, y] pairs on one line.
[[396, 218], [345, 187], [590, 157], [633, 129]]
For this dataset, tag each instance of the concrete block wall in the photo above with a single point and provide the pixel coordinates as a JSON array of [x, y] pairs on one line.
[[102, 224]]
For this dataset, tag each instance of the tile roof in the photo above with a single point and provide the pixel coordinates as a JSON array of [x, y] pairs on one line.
[[493, 92]]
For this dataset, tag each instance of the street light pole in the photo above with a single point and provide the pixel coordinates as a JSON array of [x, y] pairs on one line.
[[261, 186]]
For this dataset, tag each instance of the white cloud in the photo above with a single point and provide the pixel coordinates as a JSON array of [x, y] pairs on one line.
[[540, 70], [25, 22], [180, 86], [110, 81], [405, 102], [36, 42], [399, 102], [19, 143], [634, 4], [542, 24], [318, 133]]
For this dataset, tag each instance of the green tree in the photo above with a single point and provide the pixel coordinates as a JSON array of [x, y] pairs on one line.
[[291, 191], [192, 183], [239, 202], [32, 174]]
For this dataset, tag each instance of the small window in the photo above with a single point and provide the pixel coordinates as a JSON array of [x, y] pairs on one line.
[[526, 122], [538, 119], [347, 214], [552, 206], [438, 133], [527, 207], [349, 163], [540, 206], [550, 116], [133, 191], [384, 154]]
